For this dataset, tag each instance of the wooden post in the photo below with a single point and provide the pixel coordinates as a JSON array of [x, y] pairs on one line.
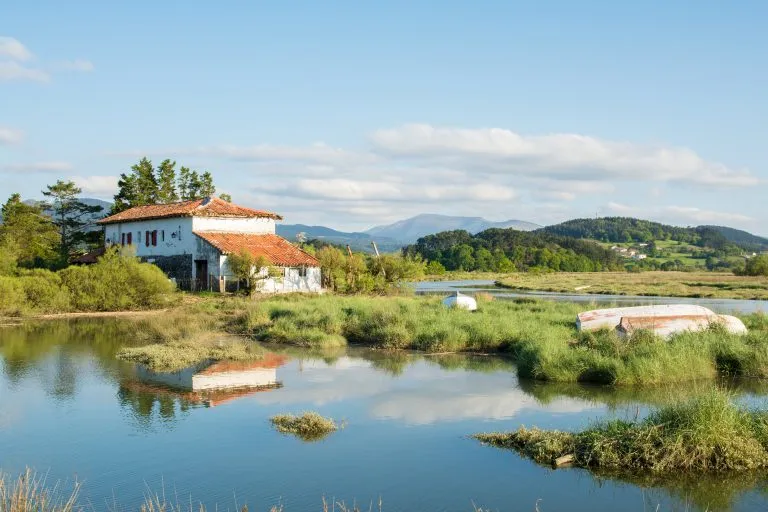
[[375, 249], [349, 251]]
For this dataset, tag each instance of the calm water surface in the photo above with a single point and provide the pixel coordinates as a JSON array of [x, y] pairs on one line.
[[69, 408]]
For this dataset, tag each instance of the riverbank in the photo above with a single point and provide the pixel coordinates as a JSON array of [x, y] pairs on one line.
[[654, 284]]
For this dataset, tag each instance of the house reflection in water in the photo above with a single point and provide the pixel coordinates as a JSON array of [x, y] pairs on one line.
[[207, 384]]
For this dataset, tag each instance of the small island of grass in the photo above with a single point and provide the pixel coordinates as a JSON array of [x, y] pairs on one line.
[[309, 426], [708, 433]]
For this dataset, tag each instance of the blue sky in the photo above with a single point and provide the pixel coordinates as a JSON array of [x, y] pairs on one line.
[[351, 114]]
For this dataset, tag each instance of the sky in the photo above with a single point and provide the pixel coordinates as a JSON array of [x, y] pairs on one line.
[[352, 114]]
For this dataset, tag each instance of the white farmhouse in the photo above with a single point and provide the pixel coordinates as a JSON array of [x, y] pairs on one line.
[[190, 242]]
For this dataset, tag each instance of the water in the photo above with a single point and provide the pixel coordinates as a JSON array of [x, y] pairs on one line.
[[69, 408], [721, 306]]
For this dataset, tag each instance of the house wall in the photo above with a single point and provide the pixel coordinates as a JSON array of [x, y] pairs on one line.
[[174, 236], [256, 225], [290, 281]]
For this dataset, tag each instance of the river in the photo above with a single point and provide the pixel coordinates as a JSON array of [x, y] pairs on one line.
[[69, 408]]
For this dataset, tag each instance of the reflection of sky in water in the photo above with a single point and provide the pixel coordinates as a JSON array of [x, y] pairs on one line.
[[68, 409]]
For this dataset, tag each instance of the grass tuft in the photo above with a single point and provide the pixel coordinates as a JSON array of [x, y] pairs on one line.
[[707, 433], [309, 426]]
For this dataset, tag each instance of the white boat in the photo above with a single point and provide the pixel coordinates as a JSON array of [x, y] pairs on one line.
[[611, 318], [666, 326], [459, 300]]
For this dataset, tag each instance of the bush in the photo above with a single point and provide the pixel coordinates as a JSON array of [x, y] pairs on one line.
[[12, 299], [43, 291]]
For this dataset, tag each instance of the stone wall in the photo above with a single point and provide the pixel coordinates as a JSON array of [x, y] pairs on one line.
[[178, 267]]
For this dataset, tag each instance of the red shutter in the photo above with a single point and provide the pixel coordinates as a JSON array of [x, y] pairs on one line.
[[122, 239], [146, 238], [154, 238], [130, 238]]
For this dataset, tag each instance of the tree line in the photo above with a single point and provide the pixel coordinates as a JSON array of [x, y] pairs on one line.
[[508, 250]]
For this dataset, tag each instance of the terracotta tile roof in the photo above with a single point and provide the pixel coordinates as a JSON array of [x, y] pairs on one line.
[[277, 250], [90, 257], [209, 207]]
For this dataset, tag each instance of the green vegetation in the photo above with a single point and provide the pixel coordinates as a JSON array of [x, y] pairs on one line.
[[310, 426], [73, 219], [702, 434], [756, 266], [117, 282], [507, 250], [145, 185], [364, 273], [661, 284], [539, 335]]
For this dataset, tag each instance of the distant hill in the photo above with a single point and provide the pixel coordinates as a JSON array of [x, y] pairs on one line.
[[410, 230], [741, 238], [357, 241]]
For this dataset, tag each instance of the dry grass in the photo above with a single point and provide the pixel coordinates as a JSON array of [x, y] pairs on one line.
[[310, 426], [667, 284], [29, 493]]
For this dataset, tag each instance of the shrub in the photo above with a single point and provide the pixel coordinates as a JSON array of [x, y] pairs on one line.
[[12, 298], [43, 291], [310, 426]]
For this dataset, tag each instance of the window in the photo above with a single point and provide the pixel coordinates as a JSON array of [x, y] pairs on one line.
[[122, 239], [154, 238], [302, 271], [146, 238], [130, 238], [162, 236]]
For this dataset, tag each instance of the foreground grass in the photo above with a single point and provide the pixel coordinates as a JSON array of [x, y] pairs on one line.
[[666, 284], [309, 426], [29, 493], [540, 336], [708, 433]]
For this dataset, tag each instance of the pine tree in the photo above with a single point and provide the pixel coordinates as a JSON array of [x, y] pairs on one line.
[[184, 183], [70, 215], [207, 188], [166, 181], [146, 184], [126, 194], [32, 234], [226, 197]]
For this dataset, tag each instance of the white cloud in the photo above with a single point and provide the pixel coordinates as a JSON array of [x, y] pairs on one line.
[[10, 136], [558, 156], [11, 70], [76, 65], [99, 186], [37, 167], [13, 49], [706, 216], [13, 53]]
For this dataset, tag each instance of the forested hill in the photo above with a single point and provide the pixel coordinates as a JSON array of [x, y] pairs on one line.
[[504, 250], [628, 229], [742, 238]]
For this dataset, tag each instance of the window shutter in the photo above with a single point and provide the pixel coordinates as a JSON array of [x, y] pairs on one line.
[[146, 238], [130, 238], [122, 239], [154, 238]]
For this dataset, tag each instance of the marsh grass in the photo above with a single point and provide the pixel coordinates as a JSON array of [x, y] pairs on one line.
[[707, 433], [667, 284], [309, 426], [30, 493], [539, 336]]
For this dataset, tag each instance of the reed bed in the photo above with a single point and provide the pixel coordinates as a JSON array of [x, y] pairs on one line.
[[309, 426]]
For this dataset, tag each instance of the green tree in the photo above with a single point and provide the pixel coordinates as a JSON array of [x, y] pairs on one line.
[[226, 197], [71, 216], [28, 234], [251, 269], [757, 266], [126, 193], [166, 182], [147, 190], [207, 188], [185, 184]]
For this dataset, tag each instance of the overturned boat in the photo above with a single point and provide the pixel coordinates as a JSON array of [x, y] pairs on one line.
[[459, 300], [662, 320]]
